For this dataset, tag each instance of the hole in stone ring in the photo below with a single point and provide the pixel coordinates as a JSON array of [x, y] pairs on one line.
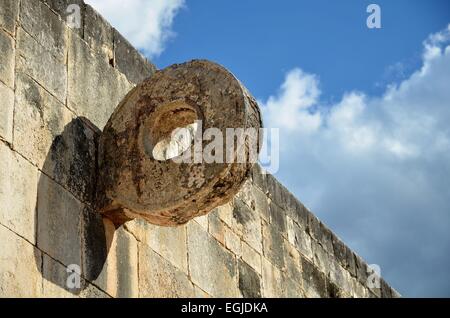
[[171, 130]]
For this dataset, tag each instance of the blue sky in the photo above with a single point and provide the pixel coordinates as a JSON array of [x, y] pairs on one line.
[[363, 114]]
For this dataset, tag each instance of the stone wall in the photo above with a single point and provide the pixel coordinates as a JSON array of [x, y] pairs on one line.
[[58, 87]]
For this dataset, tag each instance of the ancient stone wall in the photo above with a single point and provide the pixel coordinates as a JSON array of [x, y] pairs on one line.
[[58, 87]]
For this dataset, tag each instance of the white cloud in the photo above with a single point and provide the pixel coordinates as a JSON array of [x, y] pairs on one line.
[[377, 169], [145, 23]]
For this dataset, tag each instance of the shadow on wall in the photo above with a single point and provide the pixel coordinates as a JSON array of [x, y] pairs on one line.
[[72, 236]]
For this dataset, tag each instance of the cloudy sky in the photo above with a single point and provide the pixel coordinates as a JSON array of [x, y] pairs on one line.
[[363, 114]]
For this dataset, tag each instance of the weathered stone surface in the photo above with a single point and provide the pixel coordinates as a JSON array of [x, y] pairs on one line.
[[44, 26], [39, 63], [98, 33], [233, 242], [56, 277], [344, 255], [252, 257], [216, 227], [249, 281], [203, 221], [299, 238], [361, 270], [7, 59], [211, 267], [225, 213], [58, 222], [169, 242], [314, 282], [385, 289], [140, 178], [273, 246], [6, 112], [334, 291], [18, 187], [293, 277], [321, 258], [320, 233], [19, 272], [119, 275], [261, 203], [358, 290], [8, 15], [278, 217], [275, 190], [340, 277], [129, 61], [94, 87], [199, 293], [299, 213], [39, 118], [272, 280], [158, 278], [248, 223], [259, 178], [62, 7]]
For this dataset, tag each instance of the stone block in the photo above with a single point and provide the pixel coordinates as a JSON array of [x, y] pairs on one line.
[[299, 238], [259, 178], [55, 282], [169, 242], [44, 26], [385, 289], [40, 64], [272, 280], [225, 213], [340, 277], [6, 112], [70, 14], [18, 188], [361, 270], [320, 233], [58, 222], [7, 59], [321, 258], [314, 281], [293, 261], [358, 290], [211, 266], [159, 278], [203, 221], [98, 33], [278, 218], [8, 15], [199, 293], [333, 291], [94, 87], [273, 246], [39, 118], [119, 275], [233, 242], [129, 61], [248, 223], [20, 263], [216, 227], [252, 257], [344, 255], [249, 281], [275, 191], [299, 213], [48, 134]]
